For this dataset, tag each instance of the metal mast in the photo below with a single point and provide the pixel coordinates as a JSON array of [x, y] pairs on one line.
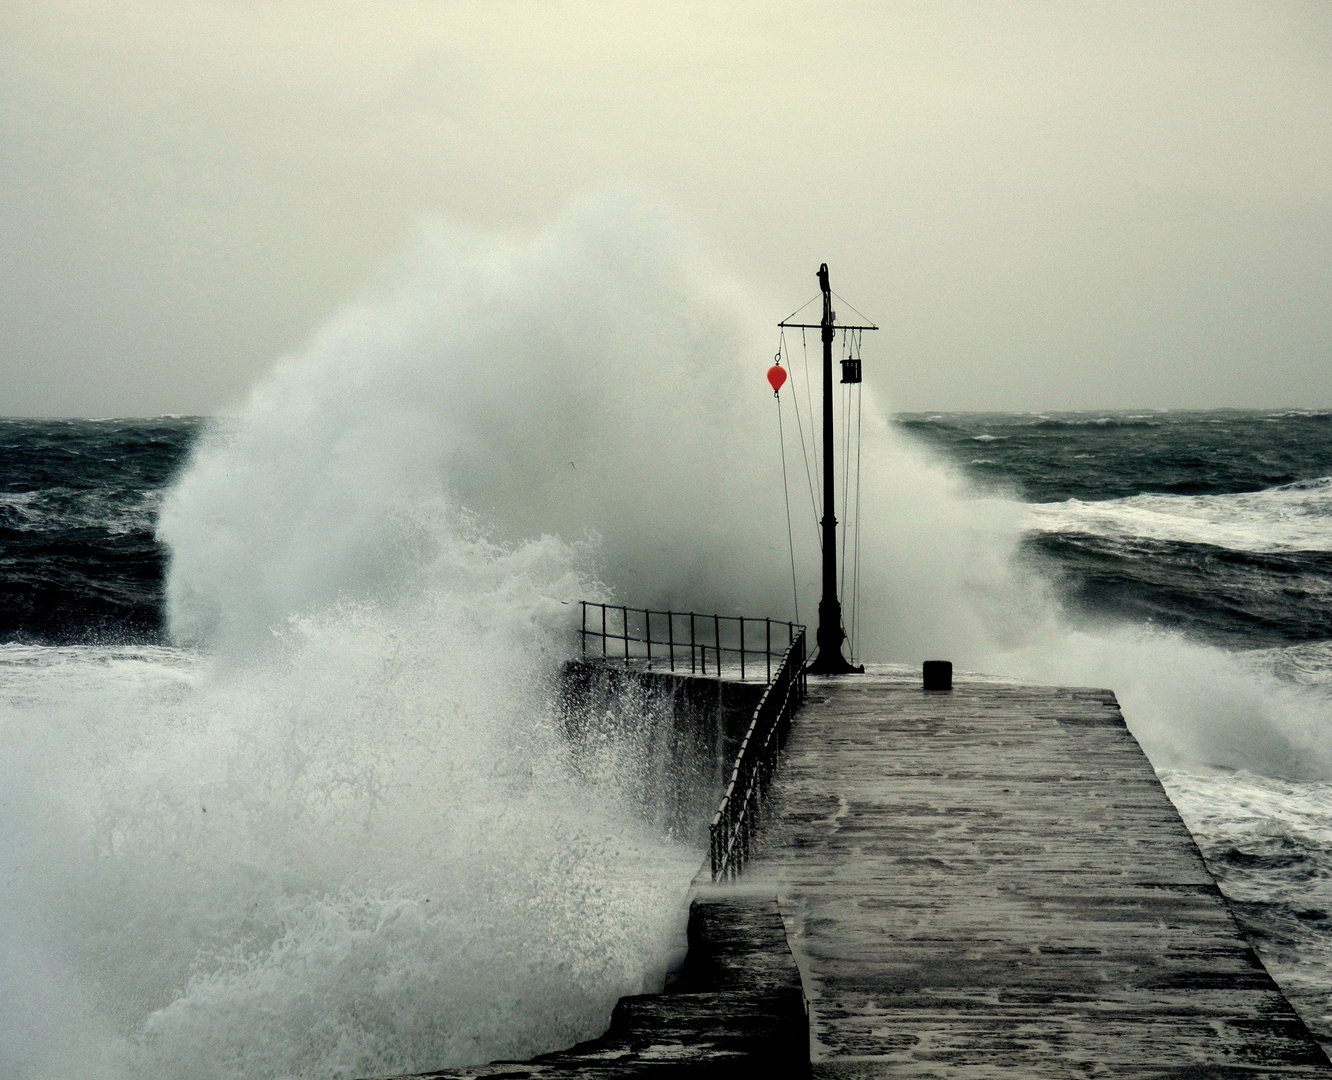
[[829, 660]]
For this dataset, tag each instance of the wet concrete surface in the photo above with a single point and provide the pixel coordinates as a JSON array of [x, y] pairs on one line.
[[992, 883]]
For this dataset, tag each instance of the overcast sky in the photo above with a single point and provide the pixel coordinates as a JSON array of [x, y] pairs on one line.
[[1046, 205]]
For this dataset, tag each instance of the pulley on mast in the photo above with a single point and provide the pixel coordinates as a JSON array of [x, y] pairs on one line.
[[830, 660]]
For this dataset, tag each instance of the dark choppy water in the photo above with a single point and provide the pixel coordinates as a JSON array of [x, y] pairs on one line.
[[1216, 523], [78, 503], [1212, 522], [1049, 457]]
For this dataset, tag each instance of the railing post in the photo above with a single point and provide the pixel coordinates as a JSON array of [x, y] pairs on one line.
[[691, 643], [603, 631], [767, 645], [647, 633], [803, 675], [583, 636], [624, 627], [716, 637], [742, 648], [670, 636]]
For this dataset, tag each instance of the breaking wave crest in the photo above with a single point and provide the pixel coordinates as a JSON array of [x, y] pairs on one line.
[[1291, 517], [340, 835]]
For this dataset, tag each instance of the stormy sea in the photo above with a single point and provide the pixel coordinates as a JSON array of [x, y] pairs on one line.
[[283, 791]]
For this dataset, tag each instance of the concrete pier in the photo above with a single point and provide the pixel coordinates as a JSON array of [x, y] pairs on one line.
[[992, 883], [981, 884]]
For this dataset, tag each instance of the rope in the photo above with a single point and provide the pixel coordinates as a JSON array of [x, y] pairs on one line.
[[786, 491], [805, 305], [795, 402], [846, 470], [855, 573], [844, 300], [814, 443], [846, 474]]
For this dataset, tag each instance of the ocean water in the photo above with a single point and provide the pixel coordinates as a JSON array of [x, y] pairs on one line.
[[282, 786]]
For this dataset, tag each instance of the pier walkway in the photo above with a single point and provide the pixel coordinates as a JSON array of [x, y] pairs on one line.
[[992, 883]]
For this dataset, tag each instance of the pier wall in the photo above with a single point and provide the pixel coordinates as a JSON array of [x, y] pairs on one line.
[[671, 737]]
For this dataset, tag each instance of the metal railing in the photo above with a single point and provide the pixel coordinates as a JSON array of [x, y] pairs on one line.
[[710, 644], [737, 819]]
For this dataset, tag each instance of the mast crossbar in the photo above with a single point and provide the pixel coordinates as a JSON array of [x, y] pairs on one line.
[[819, 326]]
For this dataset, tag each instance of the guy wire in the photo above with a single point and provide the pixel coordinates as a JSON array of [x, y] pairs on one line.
[[814, 442], [786, 491], [846, 474], [795, 402], [855, 572]]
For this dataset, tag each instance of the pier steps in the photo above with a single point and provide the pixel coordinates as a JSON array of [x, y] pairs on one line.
[[735, 1010]]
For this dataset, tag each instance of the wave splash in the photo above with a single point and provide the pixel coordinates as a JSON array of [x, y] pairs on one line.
[[364, 852], [340, 834]]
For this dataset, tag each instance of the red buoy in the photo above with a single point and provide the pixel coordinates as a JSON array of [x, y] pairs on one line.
[[776, 377]]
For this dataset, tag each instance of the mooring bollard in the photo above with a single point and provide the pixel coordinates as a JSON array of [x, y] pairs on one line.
[[938, 674]]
